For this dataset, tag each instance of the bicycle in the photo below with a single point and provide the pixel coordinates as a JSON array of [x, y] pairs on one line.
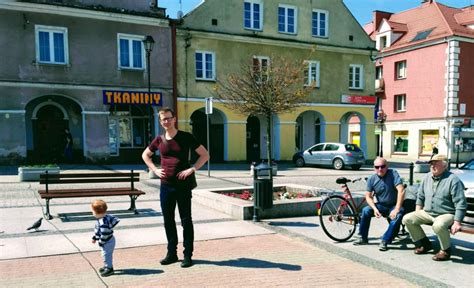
[[338, 214]]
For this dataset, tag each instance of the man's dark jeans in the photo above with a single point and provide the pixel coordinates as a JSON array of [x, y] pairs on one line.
[[393, 227], [169, 197]]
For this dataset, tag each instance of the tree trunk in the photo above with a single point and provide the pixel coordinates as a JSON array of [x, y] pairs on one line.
[[269, 143]]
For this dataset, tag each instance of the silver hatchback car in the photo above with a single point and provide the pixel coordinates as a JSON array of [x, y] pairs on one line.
[[337, 155]]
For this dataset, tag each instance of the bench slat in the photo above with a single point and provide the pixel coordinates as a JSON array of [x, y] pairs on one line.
[[64, 190], [74, 194], [89, 175], [89, 180]]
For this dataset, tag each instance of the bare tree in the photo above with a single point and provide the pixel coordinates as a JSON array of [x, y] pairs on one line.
[[263, 88]]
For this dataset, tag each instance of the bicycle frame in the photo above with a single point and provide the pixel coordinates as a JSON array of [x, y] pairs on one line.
[[348, 197]]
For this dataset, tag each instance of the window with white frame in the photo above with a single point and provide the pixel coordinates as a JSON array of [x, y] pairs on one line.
[[131, 53], [287, 19], [51, 45], [356, 76], [261, 65], [400, 103], [311, 73], [253, 14], [401, 69], [320, 23], [205, 65]]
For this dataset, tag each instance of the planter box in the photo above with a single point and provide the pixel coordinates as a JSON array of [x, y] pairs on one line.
[[33, 173], [243, 210]]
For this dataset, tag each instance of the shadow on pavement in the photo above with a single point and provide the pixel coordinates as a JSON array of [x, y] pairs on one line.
[[137, 272], [292, 224], [250, 263]]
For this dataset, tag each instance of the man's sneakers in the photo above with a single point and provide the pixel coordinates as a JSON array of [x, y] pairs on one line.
[[173, 258], [169, 259], [383, 246], [360, 241], [106, 271], [187, 262]]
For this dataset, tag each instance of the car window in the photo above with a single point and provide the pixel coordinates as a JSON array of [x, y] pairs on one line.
[[468, 166], [331, 147], [352, 147], [317, 148]]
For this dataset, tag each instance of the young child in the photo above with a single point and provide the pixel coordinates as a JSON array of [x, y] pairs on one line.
[[104, 233]]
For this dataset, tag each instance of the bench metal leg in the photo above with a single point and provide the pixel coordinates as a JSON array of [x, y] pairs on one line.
[[46, 214], [132, 204]]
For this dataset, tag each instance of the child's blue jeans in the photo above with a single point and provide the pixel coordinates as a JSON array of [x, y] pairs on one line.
[[108, 251]]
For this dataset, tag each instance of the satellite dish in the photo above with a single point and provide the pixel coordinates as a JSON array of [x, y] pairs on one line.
[[180, 14]]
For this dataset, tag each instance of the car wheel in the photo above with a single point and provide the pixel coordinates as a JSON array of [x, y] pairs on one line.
[[356, 167], [338, 164], [299, 162]]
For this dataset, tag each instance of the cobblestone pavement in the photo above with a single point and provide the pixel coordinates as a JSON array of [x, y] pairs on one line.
[[228, 252], [265, 261]]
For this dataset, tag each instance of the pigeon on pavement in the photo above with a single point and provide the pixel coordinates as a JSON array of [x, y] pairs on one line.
[[36, 225]]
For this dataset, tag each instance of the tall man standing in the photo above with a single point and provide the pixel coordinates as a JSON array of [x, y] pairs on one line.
[[175, 147], [441, 203], [388, 188]]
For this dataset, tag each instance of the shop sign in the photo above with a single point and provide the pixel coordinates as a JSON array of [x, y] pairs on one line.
[[114, 97], [357, 99], [458, 122]]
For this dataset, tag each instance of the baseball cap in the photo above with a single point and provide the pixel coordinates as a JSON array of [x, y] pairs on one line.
[[438, 157]]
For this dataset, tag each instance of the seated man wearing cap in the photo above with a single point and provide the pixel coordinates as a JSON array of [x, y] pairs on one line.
[[441, 203]]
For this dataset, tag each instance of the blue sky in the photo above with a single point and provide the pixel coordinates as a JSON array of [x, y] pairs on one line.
[[361, 9]]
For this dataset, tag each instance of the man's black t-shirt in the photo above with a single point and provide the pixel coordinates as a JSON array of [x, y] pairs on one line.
[[175, 154]]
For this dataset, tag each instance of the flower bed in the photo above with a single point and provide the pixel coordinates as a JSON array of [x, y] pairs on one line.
[[279, 193]]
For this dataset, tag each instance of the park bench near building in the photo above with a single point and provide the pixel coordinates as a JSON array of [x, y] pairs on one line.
[[89, 178]]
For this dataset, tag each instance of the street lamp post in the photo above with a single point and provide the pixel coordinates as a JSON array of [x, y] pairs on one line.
[[148, 43], [381, 118]]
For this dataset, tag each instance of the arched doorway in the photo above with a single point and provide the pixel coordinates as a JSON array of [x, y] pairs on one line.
[[216, 133], [253, 139], [49, 135], [353, 130], [310, 129]]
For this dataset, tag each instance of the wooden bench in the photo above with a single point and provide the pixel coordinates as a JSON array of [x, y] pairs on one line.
[[84, 178]]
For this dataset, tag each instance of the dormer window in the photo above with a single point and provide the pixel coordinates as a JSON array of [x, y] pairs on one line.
[[383, 42]]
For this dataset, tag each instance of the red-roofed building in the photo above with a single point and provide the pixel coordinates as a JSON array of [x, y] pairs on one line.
[[425, 80]]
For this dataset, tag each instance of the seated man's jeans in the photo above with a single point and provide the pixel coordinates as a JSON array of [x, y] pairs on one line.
[[393, 227]]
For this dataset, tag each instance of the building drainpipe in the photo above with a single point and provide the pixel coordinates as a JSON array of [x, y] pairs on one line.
[[174, 69]]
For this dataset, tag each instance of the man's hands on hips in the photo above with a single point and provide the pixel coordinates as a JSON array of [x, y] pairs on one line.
[[159, 172], [185, 173]]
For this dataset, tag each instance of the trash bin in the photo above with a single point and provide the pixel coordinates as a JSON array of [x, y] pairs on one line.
[[263, 187]]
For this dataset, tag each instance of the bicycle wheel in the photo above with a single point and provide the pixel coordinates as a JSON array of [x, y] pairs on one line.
[[337, 218]]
